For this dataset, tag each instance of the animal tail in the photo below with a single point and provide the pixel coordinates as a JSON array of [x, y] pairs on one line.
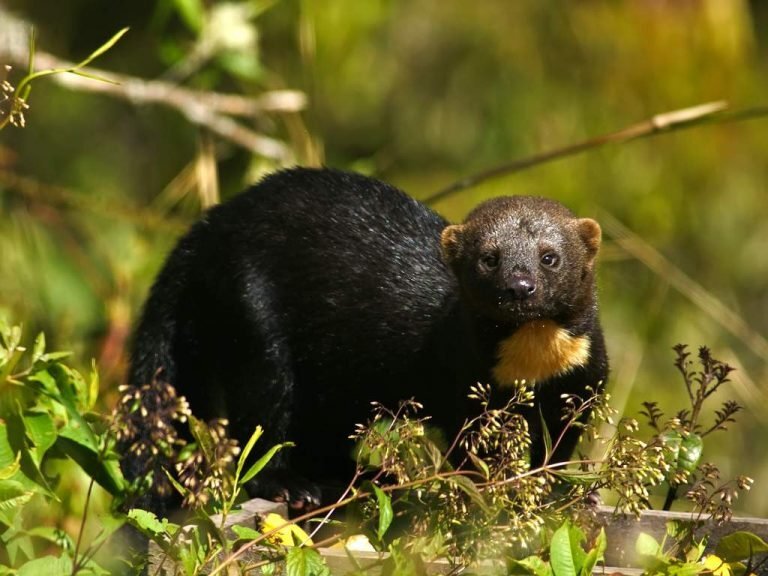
[[149, 411], [152, 346]]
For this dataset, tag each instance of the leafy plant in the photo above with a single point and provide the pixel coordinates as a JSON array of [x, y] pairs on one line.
[[566, 555], [680, 554], [14, 101], [744, 552], [682, 437], [210, 482], [492, 504], [46, 413], [478, 499]]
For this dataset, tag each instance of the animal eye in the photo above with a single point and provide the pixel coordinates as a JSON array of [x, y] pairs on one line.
[[550, 259], [490, 261]]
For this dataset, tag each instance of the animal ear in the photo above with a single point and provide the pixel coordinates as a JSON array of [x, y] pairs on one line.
[[450, 240], [590, 233]]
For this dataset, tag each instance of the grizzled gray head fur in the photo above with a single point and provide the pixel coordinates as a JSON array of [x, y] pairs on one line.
[[523, 258]]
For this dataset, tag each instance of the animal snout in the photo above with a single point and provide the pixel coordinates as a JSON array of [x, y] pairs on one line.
[[521, 286]]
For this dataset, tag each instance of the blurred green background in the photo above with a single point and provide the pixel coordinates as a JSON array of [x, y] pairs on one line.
[[95, 189]]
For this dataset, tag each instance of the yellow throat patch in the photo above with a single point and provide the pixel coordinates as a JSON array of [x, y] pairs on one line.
[[538, 350]]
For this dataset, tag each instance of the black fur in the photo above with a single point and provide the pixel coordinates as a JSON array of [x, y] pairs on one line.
[[315, 292]]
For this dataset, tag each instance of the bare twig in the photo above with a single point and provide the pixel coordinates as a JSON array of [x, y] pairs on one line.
[[57, 195], [688, 287], [209, 109], [78, 563], [709, 113]]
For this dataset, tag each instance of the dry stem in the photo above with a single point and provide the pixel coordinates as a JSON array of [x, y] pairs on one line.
[[210, 109]]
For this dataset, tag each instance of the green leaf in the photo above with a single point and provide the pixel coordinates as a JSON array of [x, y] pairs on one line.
[[545, 436], [78, 431], [207, 529], [690, 452], [54, 356], [17, 544], [101, 49], [11, 336], [430, 453], [657, 565], [385, 511], [245, 533], [480, 465], [577, 538], [13, 495], [577, 477], [561, 555], [695, 551], [93, 387], [41, 430], [740, 546], [300, 561], [739, 569], [176, 484], [371, 457], [38, 349], [47, 381], [92, 569], [687, 569], [106, 472], [595, 555], [470, 489], [531, 565], [678, 528], [670, 445], [646, 545], [247, 450], [48, 565], [11, 469], [13, 437], [71, 385], [53, 535], [193, 554], [60, 384], [148, 523], [202, 435], [263, 461]]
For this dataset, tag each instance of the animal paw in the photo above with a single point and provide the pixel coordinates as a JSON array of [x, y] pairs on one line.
[[301, 495]]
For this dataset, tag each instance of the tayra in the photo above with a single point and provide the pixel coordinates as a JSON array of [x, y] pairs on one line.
[[300, 301]]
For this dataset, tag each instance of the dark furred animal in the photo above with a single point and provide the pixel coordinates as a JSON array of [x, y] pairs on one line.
[[297, 303]]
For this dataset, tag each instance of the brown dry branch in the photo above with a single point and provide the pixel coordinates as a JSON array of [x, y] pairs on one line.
[[210, 109], [684, 118]]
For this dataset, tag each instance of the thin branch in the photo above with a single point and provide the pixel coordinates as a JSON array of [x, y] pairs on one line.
[[209, 109], [79, 563], [709, 113], [59, 196], [687, 286]]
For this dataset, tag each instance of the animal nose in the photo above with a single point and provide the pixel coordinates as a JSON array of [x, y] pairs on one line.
[[522, 286]]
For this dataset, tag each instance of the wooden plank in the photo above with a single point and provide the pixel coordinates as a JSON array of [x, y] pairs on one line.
[[622, 531], [249, 514], [621, 534], [340, 563]]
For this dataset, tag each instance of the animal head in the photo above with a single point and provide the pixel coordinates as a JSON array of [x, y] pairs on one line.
[[523, 258]]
